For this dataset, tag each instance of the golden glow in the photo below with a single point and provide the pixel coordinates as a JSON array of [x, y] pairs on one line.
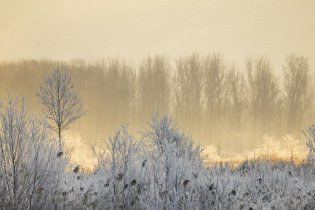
[[285, 148], [132, 29], [67, 29]]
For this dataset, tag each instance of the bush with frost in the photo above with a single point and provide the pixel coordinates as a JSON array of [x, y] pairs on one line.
[[310, 136], [30, 167], [173, 167]]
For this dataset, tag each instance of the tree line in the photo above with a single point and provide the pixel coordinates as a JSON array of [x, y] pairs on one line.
[[215, 102]]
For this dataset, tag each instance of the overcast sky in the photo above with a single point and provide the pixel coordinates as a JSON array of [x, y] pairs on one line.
[[67, 29]]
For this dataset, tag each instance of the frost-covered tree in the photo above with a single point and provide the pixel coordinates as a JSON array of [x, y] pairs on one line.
[[60, 102], [120, 162], [30, 168], [310, 136]]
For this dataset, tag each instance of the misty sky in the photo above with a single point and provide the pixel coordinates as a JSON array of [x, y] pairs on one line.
[[67, 29]]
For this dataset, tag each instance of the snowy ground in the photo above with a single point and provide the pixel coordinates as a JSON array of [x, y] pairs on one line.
[[254, 184]]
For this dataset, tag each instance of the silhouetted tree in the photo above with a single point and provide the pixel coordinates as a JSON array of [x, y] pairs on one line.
[[214, 90], [61, 104], [236, 96], [118, 91], [154, 86], [263, 92], [298, 93], [188, 90]]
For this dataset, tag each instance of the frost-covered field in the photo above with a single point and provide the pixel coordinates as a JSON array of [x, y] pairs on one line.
[[161, 170], [252, 185]]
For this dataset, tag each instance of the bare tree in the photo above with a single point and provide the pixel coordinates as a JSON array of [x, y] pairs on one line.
[[298, 93], [214, 85], [188, 89], [236, 96], [214, 92], [117, 93], [263, 92], [154, 85], [61, 104]]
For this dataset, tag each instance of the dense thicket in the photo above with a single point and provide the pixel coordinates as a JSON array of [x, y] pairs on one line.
[[216, 102]]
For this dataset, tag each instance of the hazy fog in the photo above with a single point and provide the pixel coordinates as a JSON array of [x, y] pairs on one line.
[[67, 29]]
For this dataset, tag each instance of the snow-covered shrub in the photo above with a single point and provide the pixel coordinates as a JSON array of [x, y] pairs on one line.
[[118, 171], [30, 168], [173, 167], [310, 135], [159, 171]]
